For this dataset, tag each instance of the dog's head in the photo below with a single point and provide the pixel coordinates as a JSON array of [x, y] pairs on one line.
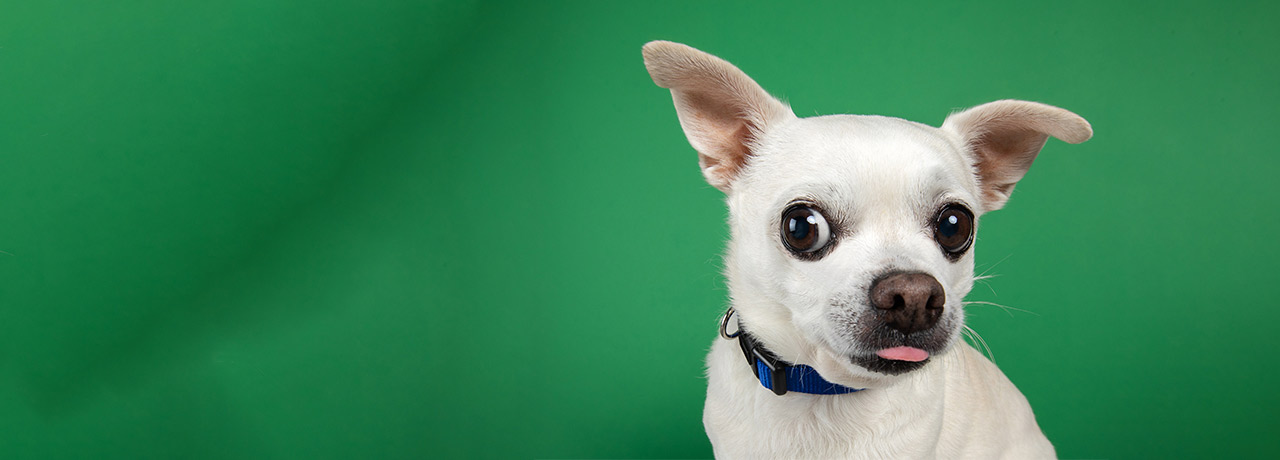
[[852, 236]]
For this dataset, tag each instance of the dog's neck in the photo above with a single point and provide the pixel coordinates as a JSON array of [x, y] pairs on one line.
[[904, 416], [776, 374]]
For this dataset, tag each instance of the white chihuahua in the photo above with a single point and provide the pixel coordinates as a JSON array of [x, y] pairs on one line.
[[851, 253]]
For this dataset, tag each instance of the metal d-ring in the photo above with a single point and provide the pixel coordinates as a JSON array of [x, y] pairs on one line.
[[724, 325]]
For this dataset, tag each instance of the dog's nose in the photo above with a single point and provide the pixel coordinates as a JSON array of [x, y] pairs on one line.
[[910, 301]]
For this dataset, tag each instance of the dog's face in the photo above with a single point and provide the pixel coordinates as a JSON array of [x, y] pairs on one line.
[[852, 236], [831, 210]]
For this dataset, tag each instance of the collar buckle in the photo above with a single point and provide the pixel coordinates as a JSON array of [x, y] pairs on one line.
[[758, 356], [777, 370]]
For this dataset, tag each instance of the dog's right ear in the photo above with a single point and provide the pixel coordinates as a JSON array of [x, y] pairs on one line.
[[1004, 137], [722, 110]]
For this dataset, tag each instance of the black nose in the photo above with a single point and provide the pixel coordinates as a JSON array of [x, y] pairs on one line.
[[909, 301]]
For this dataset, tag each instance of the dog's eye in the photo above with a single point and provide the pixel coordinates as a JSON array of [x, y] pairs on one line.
[[954, 229], [804, 230]]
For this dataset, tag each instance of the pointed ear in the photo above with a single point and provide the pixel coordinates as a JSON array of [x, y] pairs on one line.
[[1004, 137], [723, 112]]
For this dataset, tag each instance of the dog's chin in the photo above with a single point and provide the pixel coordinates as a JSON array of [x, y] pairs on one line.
[[887, 366]]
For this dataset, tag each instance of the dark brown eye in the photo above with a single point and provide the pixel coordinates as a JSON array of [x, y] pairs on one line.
[[804, 230], [954, 229]]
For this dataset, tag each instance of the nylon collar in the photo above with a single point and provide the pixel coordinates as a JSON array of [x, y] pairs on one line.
[[774, 373]]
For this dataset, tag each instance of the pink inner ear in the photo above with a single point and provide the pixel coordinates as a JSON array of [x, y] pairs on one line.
[[719, 132], [736, 153], [1004, 158], [717, 127], [1006, 136]]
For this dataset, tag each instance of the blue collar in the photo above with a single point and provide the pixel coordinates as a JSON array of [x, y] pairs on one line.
[[776, 374]]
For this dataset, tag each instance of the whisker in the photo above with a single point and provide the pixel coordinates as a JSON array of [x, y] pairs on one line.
[[968, 338], [983, 279], [1006, 308], [993, 266], [975, 335]]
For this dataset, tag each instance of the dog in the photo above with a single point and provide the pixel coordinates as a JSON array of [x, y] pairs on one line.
[[850, 254]]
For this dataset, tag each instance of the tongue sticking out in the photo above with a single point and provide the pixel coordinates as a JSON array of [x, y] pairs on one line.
[[903, 354]]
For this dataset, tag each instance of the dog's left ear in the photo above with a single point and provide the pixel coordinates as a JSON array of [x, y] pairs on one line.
[[1004, 137], [722, 110]]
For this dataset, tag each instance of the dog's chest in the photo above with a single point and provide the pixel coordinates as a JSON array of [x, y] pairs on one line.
[[745, 420]]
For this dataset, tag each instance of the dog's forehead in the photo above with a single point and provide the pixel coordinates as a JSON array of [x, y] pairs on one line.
[[872, 159]]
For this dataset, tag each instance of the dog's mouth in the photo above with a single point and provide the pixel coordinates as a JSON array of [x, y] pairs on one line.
[[909, 354], [891, 352], [874, 341], [893, 361]]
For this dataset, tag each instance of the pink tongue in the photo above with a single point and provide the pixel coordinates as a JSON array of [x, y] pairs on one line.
[[903, 354]]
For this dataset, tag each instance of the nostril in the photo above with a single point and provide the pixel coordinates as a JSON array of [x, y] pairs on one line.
[[937, 297], [898, 303]]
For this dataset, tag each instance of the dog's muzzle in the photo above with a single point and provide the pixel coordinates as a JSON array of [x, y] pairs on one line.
[[904, 329]]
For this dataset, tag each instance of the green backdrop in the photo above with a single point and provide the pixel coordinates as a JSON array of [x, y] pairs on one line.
[[299, 229]]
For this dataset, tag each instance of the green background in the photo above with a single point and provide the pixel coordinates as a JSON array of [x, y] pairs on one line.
[[299, 229]]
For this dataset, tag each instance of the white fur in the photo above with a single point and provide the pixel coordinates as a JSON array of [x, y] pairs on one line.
[[883, 178]]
